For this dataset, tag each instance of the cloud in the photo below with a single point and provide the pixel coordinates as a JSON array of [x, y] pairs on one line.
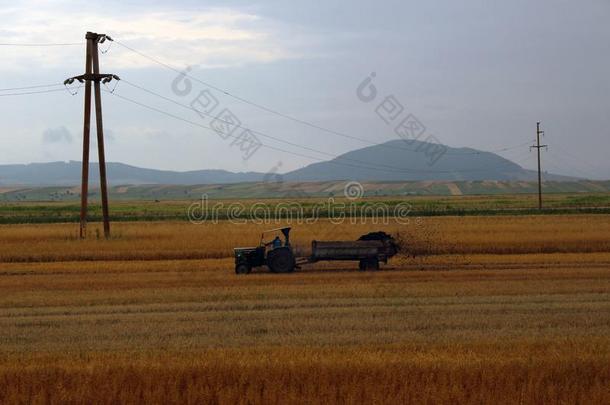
[[214, 37], [57, 135], [109, 135], [109, 139]]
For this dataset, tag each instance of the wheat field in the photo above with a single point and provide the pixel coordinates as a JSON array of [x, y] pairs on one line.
[[475, 310]]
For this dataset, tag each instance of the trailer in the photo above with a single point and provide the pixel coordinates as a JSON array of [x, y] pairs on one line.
[[369, 250], [368, 253]]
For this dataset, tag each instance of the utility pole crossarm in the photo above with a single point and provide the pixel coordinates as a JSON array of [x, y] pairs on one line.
[[104, 78]]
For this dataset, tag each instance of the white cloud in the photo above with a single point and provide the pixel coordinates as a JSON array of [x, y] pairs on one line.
[[57, 135], [208, 38]]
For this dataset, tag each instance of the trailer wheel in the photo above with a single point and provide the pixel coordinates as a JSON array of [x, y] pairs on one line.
[[242, 268], [369, 264]]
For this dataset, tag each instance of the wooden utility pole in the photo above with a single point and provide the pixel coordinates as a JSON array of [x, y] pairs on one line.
[[84, 188], [92, 74], [538, 146]]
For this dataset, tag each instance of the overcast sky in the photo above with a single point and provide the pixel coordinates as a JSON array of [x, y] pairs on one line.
[[476, 73]]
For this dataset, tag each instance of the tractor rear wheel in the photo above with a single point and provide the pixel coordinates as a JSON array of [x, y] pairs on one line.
[[242, 268], [281, 260]]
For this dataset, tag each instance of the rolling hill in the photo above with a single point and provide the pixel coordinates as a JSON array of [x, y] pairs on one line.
[[391, 161], [69, 173], [398, 161]]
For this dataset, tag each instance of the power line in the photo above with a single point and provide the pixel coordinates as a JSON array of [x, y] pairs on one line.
[[31, 92], [259, 132], [190, 108], [522, 158], [503, 149], [367, 165], [392, 168], [232, 136], [212, 129], [32, 87], [562, 163], [286, 116], [338, 162], [580, 160], [40, 44]]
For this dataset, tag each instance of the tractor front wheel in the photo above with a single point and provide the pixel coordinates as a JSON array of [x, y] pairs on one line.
[[242, 268]]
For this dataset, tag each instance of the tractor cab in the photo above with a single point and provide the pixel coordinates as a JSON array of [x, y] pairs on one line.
[[274, 253], [277, 241]]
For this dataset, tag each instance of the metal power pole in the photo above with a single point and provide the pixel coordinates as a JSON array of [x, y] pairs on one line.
[[538, 147], [92, 74]]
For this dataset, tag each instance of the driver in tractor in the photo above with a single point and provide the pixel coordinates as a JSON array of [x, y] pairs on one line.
[[275, 243]]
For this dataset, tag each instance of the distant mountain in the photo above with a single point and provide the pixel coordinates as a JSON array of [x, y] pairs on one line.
[[69, 173], [391, 161], [398, 161]]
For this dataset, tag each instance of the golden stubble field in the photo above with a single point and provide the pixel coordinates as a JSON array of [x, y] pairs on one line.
[[490, 309]]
